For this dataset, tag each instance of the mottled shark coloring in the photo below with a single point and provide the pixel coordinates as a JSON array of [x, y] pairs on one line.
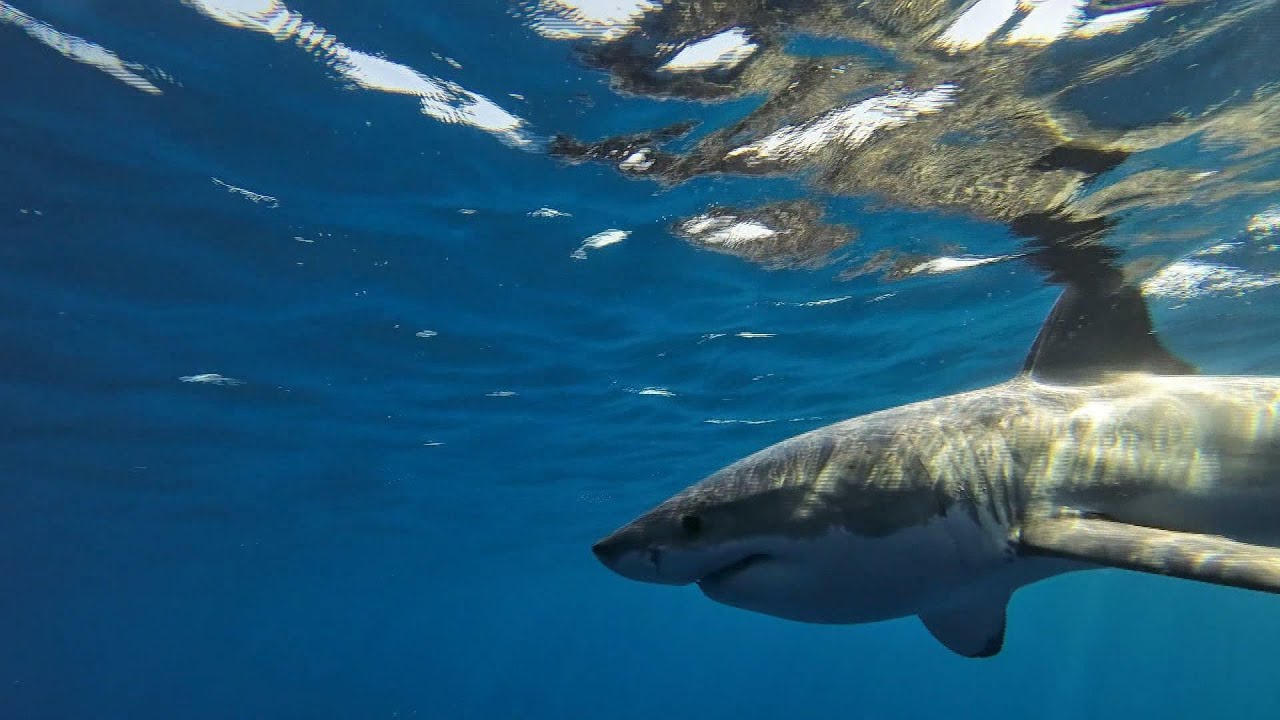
[[1106, 451]]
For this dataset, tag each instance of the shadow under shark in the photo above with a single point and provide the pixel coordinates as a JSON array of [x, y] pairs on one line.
[[1106, 451]]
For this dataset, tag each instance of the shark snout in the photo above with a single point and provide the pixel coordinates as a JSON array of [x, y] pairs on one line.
[[630, 555], [637, 555], [607, 551]]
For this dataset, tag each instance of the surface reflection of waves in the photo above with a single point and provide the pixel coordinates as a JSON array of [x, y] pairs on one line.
[[1234, 268], [999, 110], [847, 127], [80, 50], [1039, 22], [594, 19], [724, 50], [440, 99], [1026, 21], [777, 235]]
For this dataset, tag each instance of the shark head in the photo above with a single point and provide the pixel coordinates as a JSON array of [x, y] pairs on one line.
[[799, 530], [711, 532]]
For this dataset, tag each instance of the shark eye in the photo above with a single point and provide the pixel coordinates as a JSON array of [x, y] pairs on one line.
[[692, 525]]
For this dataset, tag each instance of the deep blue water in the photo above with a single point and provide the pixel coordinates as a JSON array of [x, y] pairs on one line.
[[372, 523]]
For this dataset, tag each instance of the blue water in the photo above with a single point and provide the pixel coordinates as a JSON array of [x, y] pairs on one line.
[[372, 523]]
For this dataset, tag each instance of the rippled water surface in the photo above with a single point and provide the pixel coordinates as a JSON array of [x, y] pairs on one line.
[[334, 334]]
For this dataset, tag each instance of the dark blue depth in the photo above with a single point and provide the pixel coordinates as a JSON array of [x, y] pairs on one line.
[[377, 524]]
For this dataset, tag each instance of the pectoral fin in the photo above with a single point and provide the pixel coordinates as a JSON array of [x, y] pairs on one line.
[[1206, 558], [975, 630]]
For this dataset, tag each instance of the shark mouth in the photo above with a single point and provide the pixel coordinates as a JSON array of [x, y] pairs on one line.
[[734, 568]]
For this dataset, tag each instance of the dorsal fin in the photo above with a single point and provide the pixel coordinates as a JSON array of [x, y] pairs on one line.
[[1094, 330]]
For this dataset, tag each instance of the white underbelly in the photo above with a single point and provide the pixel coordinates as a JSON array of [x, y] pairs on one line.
[[843, 577]]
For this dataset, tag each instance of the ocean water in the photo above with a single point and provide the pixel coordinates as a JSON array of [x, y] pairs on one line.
[[334, 335]]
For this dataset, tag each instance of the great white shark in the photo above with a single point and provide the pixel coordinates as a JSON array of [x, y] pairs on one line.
[[1105, 451]]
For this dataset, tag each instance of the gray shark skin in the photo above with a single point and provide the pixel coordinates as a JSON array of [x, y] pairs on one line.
[[1105, 452]]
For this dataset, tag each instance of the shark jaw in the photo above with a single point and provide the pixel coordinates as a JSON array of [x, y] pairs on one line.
[[670, 565], [727, 573], [836, 577]]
